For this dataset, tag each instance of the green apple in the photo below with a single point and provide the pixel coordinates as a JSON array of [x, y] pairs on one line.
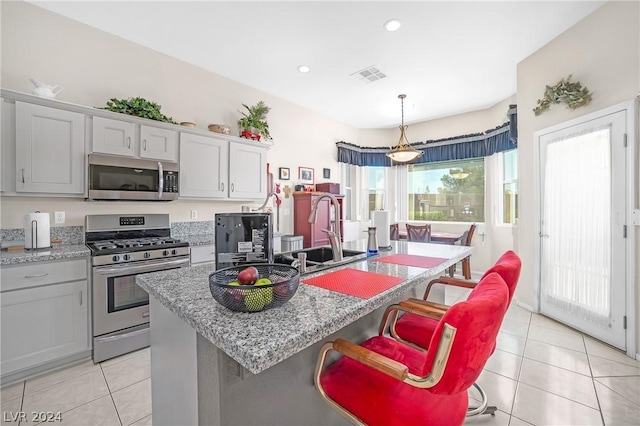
[[234, 283], [267, 295], [254, 300], [263, 281]]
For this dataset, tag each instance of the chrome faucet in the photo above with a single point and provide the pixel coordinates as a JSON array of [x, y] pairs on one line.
[[248, 209], [334, 236]]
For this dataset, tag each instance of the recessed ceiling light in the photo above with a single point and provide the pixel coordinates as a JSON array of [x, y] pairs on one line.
[[392, 25], [304, 68]]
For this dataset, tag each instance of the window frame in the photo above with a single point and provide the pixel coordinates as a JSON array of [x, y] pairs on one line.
[[499, 189]]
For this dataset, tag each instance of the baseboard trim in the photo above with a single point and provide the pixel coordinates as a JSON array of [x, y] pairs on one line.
[[525, 306]]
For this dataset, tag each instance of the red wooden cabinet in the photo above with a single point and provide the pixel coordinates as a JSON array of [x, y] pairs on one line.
[[312, 232]]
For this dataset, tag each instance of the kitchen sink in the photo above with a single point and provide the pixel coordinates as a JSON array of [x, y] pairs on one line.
[[320, 258]]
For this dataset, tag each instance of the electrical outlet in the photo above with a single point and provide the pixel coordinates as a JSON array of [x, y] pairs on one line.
[[194, 214], [286, 212], [59, 217]]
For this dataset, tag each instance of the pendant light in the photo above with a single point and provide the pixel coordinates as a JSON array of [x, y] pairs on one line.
[[403, 152]]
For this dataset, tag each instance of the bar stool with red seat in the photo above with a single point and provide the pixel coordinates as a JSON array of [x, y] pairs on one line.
[[384, 382]]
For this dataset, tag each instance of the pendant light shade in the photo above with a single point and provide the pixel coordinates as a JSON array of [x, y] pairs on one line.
[[403, 152]]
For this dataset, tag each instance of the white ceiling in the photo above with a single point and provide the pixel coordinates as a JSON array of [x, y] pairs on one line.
[[448, 57]]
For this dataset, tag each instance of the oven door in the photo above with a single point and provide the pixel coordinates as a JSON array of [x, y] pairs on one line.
[[118, 302]]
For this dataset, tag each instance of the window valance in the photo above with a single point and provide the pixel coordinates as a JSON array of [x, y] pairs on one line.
[[502, 138]]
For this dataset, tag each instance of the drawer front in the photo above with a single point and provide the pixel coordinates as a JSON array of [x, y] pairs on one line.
[[42, 273], [201, 254]]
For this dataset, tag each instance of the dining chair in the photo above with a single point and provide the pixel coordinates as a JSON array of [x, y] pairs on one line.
[[385, 382], [466, 241], [394, 231], [417, 331], [420, 233]]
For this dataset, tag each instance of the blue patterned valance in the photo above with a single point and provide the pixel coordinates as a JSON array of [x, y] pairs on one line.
[[502, 138]]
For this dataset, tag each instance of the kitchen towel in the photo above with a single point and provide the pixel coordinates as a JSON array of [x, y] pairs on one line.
[[381, 222], [37, 230], [412, 260], [354, 282]]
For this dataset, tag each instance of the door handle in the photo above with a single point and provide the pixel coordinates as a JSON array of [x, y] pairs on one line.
[[541, 235], [129, 142], [144, 144], [22, 175]]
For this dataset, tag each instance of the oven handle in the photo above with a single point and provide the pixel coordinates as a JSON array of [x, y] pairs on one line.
[[152, 266], [160, 180]]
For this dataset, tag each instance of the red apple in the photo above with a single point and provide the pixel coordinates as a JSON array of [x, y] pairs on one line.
[[281, 290], [248, 276]]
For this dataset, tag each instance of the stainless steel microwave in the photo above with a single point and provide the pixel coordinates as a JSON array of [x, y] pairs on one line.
[[121, 178]]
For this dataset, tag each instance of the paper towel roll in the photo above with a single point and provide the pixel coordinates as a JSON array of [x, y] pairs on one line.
[[381, 222], [37, 230]]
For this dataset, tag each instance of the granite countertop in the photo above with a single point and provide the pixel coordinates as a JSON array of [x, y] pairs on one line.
[[58, 251], [312, 313]]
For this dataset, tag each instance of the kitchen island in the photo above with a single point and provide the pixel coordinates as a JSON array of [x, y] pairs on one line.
[[210, 365]]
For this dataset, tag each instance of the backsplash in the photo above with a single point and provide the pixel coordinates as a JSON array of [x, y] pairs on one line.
[[182, 229], [75, 234], [68, 234]]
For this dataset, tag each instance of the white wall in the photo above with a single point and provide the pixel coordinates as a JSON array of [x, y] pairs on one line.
[[94, 66], [603, 52]]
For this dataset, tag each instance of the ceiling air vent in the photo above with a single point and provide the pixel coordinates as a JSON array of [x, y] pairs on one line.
[[369, 74]]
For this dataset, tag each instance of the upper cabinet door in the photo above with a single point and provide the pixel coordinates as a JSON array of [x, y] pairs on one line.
[[113, 137], [204, 166], [247, 171], [158, 144], [50, 153]]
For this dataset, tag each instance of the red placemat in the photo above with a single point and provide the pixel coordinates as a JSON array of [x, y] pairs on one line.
[[354, 282], [412, 260]]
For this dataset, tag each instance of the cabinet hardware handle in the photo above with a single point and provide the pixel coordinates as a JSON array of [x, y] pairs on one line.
[[37, 275], [222, 186], [232, 189], [80, 298], [145, 314], [128, 141], [22, 175], [144, 144]]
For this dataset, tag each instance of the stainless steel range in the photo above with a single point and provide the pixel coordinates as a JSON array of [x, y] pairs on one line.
[[123, 246]]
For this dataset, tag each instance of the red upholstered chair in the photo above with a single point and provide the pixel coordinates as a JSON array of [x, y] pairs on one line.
[[420, 233], [384, 382], [394, 231], [416, 330]]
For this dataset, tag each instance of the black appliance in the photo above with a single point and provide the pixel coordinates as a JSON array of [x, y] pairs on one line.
[[243, 238]]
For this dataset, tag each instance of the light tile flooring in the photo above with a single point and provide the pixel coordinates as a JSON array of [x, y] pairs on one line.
[[542, 373]]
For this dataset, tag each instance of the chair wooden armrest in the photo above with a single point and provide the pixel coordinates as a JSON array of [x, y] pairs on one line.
[[449, 281], [425, 307], [374, 360]]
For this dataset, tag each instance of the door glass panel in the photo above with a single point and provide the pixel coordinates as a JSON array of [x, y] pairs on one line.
[[123, 179], [123, 293]]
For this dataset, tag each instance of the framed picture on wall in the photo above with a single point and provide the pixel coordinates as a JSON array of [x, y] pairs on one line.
[[326, 173], [284, 173], [305, 174]]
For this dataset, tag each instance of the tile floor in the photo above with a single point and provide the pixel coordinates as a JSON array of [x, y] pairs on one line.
[[542, 373]]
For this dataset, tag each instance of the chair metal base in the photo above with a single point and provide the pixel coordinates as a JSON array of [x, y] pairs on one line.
[[484, 407]]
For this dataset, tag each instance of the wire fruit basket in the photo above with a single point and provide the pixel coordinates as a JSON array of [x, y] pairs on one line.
[[275, 285]]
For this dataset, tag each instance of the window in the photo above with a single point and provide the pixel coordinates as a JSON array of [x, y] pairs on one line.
[[377, 188], [509, 210], [451, 191], [347, 185]]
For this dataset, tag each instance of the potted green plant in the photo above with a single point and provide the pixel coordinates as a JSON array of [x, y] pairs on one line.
[[253, 123], [139, 107]]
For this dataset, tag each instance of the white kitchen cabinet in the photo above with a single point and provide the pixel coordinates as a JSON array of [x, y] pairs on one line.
[[49, 149], [204, 166], [203, 254], [44, 316], [247, 171], [158, 144], [113, 137]]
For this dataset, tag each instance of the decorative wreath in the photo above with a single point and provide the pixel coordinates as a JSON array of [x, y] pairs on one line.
[[573, 94]]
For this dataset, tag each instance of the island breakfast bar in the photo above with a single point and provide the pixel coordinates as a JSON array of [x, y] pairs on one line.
[[210, 365]]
